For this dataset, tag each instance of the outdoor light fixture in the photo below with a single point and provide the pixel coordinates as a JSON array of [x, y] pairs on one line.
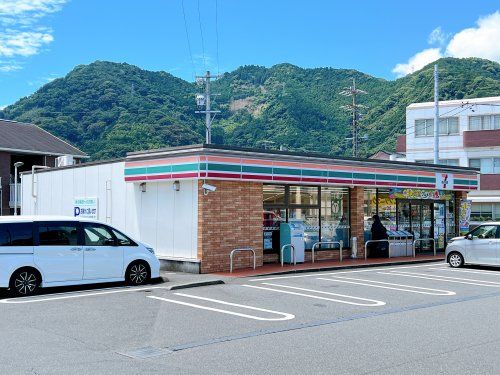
[[142, 186], [176, 186]]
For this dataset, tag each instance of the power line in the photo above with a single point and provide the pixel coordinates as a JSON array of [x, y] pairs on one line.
[[202, 40], [188, 41]]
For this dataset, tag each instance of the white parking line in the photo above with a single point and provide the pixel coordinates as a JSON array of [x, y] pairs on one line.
[[374, 269], [371, 302], [60, 296], [393, 286], [444, 278], [284, 316], [480, 272]]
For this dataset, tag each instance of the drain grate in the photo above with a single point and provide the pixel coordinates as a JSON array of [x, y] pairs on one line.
[[146, 352]]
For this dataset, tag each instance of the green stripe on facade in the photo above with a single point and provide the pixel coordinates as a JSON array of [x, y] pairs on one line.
[[408, 178], [431, 180], [288, 171], [254, 169], [135, 171], [185, 167], [386, 177], [314, 172], [364, 176], [340, 174], [224, 167], [160, 169]]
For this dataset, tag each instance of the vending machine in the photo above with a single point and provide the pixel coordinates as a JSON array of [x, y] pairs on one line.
[[292, 233]]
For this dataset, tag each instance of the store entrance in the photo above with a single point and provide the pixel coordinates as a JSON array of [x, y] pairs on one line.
[[424, 219]]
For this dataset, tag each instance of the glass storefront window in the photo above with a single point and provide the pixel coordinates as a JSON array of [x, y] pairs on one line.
[[271, 219], [451, 229], [370, 209], [303, 195], [310, 218], [387, 209], [274, 195], [335, 215]]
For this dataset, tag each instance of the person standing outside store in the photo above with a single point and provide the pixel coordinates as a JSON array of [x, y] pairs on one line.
[[379, 232]]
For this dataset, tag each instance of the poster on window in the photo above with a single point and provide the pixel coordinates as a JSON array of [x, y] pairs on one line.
[[85, 208], [464, 218]]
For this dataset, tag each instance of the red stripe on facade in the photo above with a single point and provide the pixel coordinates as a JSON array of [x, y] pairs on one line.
[[363, 182], [224, 175], [136, 178], [279, 178], [312, 179], [166, 176], [256, 177], [339, 181]]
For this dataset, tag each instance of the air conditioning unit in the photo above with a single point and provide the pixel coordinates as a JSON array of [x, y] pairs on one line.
[[65, 160]]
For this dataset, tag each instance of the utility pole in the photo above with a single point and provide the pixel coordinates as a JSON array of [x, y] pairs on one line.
[[354, 108], [436, 115], [205, 100]]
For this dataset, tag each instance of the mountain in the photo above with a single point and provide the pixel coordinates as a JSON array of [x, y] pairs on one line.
[[107, 109]]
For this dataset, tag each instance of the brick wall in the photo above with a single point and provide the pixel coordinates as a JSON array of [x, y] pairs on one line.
[[357, 218], [228, 218]]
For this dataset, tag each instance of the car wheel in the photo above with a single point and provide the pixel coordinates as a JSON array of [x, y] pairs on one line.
[[456, 260], [138, 273], [25, 282]]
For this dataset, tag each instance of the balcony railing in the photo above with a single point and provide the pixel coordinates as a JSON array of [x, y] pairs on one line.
[[12, 195]]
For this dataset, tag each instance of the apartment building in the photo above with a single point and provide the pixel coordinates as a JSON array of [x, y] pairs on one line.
[[469, 137]]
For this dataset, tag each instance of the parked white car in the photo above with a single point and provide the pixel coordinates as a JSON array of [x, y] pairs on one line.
[[480, 246], [46, 251]]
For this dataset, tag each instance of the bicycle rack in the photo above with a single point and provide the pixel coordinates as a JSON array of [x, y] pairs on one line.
[[231, 255], [293, 252], [340, 243], [374, 241], [424, 239]]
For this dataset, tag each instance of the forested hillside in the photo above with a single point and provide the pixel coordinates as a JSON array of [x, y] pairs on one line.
[[107, 108]]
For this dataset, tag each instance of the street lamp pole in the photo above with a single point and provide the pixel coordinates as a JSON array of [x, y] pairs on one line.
[[16, 165]]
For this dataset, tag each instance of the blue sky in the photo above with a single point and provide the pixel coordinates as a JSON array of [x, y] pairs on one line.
[[44, 39]]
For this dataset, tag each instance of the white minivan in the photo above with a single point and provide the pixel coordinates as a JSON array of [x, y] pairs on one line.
[[480, 246], [45, 251]]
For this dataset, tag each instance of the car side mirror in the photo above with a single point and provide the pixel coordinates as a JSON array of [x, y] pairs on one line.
[[469, 237]]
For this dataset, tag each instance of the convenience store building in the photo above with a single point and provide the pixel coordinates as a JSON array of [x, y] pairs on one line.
[[159, 197]]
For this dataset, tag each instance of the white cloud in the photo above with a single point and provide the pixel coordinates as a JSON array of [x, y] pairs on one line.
[[480, 41], [418, 61], [21, 32], [437, 36]]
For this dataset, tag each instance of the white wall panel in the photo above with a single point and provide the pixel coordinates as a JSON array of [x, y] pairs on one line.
[[160, 216]]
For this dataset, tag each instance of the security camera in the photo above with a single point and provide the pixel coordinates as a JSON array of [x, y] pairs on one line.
[[208, 187]]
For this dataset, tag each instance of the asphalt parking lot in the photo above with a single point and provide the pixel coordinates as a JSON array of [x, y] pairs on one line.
[[416, 319]]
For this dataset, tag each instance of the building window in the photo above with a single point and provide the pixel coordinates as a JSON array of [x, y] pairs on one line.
[[274, 194], [486, 165], [335, 215], [481, 212], [484, 122], [424, 128], [448, 126]]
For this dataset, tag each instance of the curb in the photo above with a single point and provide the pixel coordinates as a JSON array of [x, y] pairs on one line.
[[196, 284], [346, 267]]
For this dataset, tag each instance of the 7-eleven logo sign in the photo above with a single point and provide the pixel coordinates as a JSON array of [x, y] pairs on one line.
[[444, 181]]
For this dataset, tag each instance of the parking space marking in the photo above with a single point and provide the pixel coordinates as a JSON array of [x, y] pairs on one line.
[[393, 286], [480, 272], [458, 280], [367, 302], [69, 295], [284, 316], [374, 269]]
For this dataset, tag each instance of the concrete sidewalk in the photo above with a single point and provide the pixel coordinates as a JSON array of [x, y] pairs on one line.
[[180, 280]]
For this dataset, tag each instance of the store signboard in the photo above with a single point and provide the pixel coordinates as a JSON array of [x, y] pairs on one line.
[[402, 193], [85, 208], [464, 218], [444, 181]]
